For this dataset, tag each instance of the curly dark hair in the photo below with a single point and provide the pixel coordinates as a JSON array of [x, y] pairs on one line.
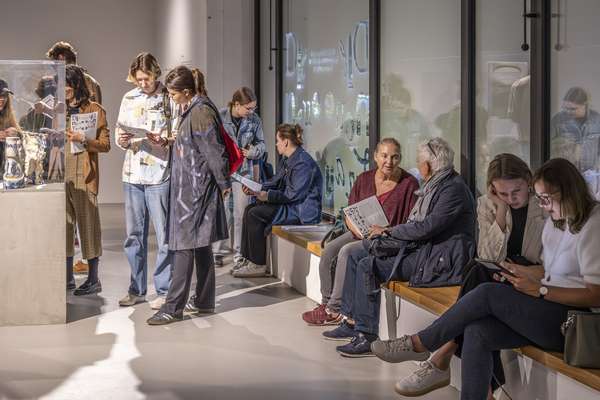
[[75, 79]]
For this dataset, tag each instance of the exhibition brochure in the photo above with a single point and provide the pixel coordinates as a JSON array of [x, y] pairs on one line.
[[364, 214], [86, 124], [249, 183]]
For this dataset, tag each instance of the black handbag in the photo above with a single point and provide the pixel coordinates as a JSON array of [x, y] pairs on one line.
[[384, 246], [339, 228]]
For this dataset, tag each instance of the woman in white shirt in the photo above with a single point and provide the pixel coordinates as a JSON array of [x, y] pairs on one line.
[[536, 304]]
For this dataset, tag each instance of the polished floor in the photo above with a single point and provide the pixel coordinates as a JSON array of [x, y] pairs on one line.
[[254, 347]]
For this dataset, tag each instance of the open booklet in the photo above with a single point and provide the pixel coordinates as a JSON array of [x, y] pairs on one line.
[[249, 183], [86, 124], [364, 214], [136, 132]]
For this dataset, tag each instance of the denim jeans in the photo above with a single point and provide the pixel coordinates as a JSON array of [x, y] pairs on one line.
[[493, 317], [142, 204], [364, 273], [235, 205]]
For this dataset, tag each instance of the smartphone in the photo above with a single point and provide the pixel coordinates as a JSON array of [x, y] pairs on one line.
[[493, 265]]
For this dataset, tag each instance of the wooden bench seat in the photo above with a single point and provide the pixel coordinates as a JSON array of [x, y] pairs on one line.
[[310, 240], [438, 300]]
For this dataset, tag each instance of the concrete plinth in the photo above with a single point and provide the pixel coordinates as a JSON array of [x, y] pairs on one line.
[[32, 256]]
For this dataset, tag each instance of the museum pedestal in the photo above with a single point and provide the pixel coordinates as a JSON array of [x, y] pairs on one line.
[[32, 256]]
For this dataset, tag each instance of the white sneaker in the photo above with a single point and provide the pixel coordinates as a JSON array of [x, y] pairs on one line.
[[157, 303], [237, 264], [250, 270], [424, 380]]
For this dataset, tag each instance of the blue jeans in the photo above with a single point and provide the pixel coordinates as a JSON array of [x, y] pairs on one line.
[[494, 317], [361, 297], [142, 204]]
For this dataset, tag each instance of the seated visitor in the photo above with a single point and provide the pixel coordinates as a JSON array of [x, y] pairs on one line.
[[510, 228], [430, 249], [394, 188], [291, 197], [495, 316]]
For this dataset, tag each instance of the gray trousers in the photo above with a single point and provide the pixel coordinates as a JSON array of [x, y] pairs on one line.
[[494, 317], [332, 282]]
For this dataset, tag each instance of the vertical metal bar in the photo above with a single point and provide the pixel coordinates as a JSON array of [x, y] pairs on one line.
[[540, 81], [467, 96], [279, 62], [257, 48], [374, 75]]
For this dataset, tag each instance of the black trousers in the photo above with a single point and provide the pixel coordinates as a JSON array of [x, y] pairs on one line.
[[183, 266], [254, 240]]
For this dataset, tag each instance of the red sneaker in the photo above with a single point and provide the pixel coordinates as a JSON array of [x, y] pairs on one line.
[[320, 317]]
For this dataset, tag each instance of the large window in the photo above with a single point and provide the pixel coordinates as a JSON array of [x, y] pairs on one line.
[[420, 74], [502, 84], [326, 87], [575, 124]]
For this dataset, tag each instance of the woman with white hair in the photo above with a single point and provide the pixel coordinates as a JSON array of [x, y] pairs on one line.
[[429, 250]]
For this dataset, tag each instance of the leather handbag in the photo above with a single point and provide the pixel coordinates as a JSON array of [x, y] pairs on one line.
[[582, 339], [385, 246]]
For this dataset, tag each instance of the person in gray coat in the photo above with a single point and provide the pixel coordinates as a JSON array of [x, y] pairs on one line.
[[199, 168], [430, 249]]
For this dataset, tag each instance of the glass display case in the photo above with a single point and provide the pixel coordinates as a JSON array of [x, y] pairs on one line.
[[32, 123]]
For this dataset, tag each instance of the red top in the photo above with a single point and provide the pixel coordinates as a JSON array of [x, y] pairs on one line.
[[396, 203]]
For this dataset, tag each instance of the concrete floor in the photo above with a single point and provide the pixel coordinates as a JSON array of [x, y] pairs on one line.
[[255, 347]]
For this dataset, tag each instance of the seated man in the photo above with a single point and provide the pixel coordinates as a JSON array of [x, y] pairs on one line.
[[429, 250]]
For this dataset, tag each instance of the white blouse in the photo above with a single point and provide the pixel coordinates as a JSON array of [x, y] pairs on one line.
[[572, 259]]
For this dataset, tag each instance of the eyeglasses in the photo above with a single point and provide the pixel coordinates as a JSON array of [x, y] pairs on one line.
[[544, 199], [249, 109], [431, 149]]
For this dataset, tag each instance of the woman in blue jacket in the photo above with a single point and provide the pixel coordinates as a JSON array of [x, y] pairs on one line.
[[292, 197]]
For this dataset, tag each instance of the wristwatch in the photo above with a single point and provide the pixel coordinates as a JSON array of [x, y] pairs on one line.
[[543, 291]]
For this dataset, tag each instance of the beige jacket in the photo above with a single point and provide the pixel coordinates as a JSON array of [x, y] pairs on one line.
[[493, 243]]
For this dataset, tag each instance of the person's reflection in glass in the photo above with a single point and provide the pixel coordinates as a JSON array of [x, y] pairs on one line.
[[40, 115], [400, 120], [575, 131]]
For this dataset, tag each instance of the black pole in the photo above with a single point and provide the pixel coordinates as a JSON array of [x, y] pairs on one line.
[[279, 62], [540, 81], [374, 75], [257, 48], [468, 100]]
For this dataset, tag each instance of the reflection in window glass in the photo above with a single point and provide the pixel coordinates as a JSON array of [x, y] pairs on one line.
[[575, 124], [420, 92], [503, 89], [326, 88], [32, 117]]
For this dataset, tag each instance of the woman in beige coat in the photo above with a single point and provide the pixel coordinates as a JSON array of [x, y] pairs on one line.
[[510, 228]]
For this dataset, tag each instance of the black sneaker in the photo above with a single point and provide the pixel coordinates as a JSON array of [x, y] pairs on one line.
[[343, 332], [192, 308], [71, 285], [218, 260], [360, 346], [163, 318], [88, 288]]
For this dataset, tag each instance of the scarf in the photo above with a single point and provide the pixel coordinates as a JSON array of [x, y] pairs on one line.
[[426, 193]]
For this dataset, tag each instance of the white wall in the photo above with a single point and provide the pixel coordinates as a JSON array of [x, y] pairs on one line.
[[109, 33]]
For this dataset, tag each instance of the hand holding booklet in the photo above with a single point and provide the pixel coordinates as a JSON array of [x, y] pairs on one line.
[[364, 214], [86, 124], [136, 132], [249, 183]]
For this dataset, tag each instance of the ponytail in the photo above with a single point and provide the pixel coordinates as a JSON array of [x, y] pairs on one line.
[[199, 83], [291, 132]]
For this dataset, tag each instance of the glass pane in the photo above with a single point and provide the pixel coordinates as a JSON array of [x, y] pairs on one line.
[[503, 90], [32, 114], [326, 88], [420, 93], [575, 125]]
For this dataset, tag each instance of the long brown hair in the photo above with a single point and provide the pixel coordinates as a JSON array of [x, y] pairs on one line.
[[181, 78], [291, 132], [576, 200], [508, 166], [7, 114]]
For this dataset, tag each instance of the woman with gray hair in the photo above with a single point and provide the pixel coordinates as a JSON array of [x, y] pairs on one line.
[[429, 250]]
